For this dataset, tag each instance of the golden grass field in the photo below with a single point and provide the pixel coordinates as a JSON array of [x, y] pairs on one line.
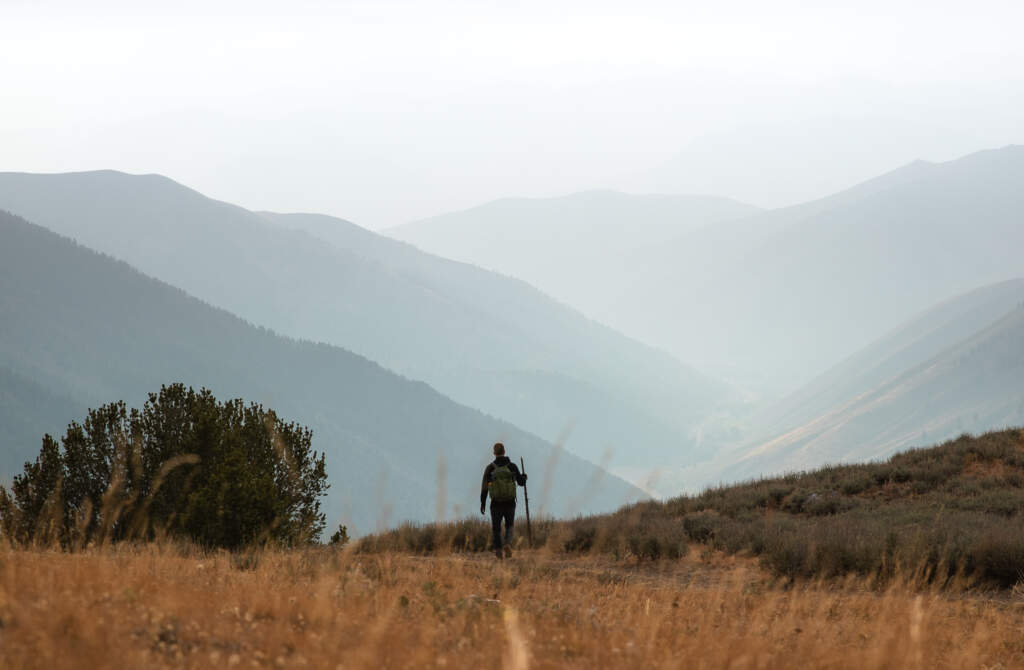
[[125, 607]]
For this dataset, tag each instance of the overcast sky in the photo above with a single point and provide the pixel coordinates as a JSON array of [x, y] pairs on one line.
[[383, 112]]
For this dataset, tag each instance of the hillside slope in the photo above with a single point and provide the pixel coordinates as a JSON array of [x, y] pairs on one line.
[[485, 340], [929, 334], [570, 246], [972, 386], [934, 514], [84, 326], [27, 412], [784, 295]]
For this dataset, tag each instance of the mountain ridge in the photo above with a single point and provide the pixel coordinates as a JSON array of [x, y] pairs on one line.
[[570, 246], [469, 333], [808, 284], [87, 324]]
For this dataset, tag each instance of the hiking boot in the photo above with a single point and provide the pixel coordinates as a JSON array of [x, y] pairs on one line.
[[498, 553], [508, 551]]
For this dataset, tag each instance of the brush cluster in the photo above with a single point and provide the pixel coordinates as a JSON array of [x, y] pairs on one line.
[[943, 512]]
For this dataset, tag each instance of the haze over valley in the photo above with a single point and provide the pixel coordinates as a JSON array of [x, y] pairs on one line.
[[485, 340], [662, 247], [446, 334], [847, 328], [767, 298]]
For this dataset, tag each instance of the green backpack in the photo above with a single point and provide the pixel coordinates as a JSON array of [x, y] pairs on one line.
[[502, 486]]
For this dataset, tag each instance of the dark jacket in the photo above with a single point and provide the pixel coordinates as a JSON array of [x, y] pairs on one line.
[[489, 470]]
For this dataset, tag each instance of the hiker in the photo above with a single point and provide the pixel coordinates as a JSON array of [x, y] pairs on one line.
[[500, 479]]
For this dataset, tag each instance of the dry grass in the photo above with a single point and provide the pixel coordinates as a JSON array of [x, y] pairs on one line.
[[150, 607]]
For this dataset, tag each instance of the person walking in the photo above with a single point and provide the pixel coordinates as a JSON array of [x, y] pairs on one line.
[[500, 480]]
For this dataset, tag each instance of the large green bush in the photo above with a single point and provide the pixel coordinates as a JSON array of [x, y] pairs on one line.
[[223, 474]]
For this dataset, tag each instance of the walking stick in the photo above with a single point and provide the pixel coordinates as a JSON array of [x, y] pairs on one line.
[[526, 497]]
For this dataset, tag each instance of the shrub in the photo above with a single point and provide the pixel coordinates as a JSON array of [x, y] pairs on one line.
[[645, 546], [1004, 502], [699, 527], [784, 550], [221, 474], [340, 536], [581, 538], [998, 555], [777, 493], [856, 484], [470, 536], [830, 503], [794, 502]]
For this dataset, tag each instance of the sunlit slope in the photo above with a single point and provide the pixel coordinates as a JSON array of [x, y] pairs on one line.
[[974, 385], [938, 328], [786, 294], [485, 340], [81, 325], [573, 247]]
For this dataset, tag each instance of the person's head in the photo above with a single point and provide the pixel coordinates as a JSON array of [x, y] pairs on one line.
[[499, 449]]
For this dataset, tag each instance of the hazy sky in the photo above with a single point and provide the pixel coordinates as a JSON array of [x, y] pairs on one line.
[[382, 112]]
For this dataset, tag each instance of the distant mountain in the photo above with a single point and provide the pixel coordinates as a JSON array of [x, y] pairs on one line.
[[485, 340], [78, 329], [786, 294], [937, 329], [959, 367], [572, 246]]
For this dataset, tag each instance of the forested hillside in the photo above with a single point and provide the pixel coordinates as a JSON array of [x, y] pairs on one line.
[[27, 411], [485, 340]]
